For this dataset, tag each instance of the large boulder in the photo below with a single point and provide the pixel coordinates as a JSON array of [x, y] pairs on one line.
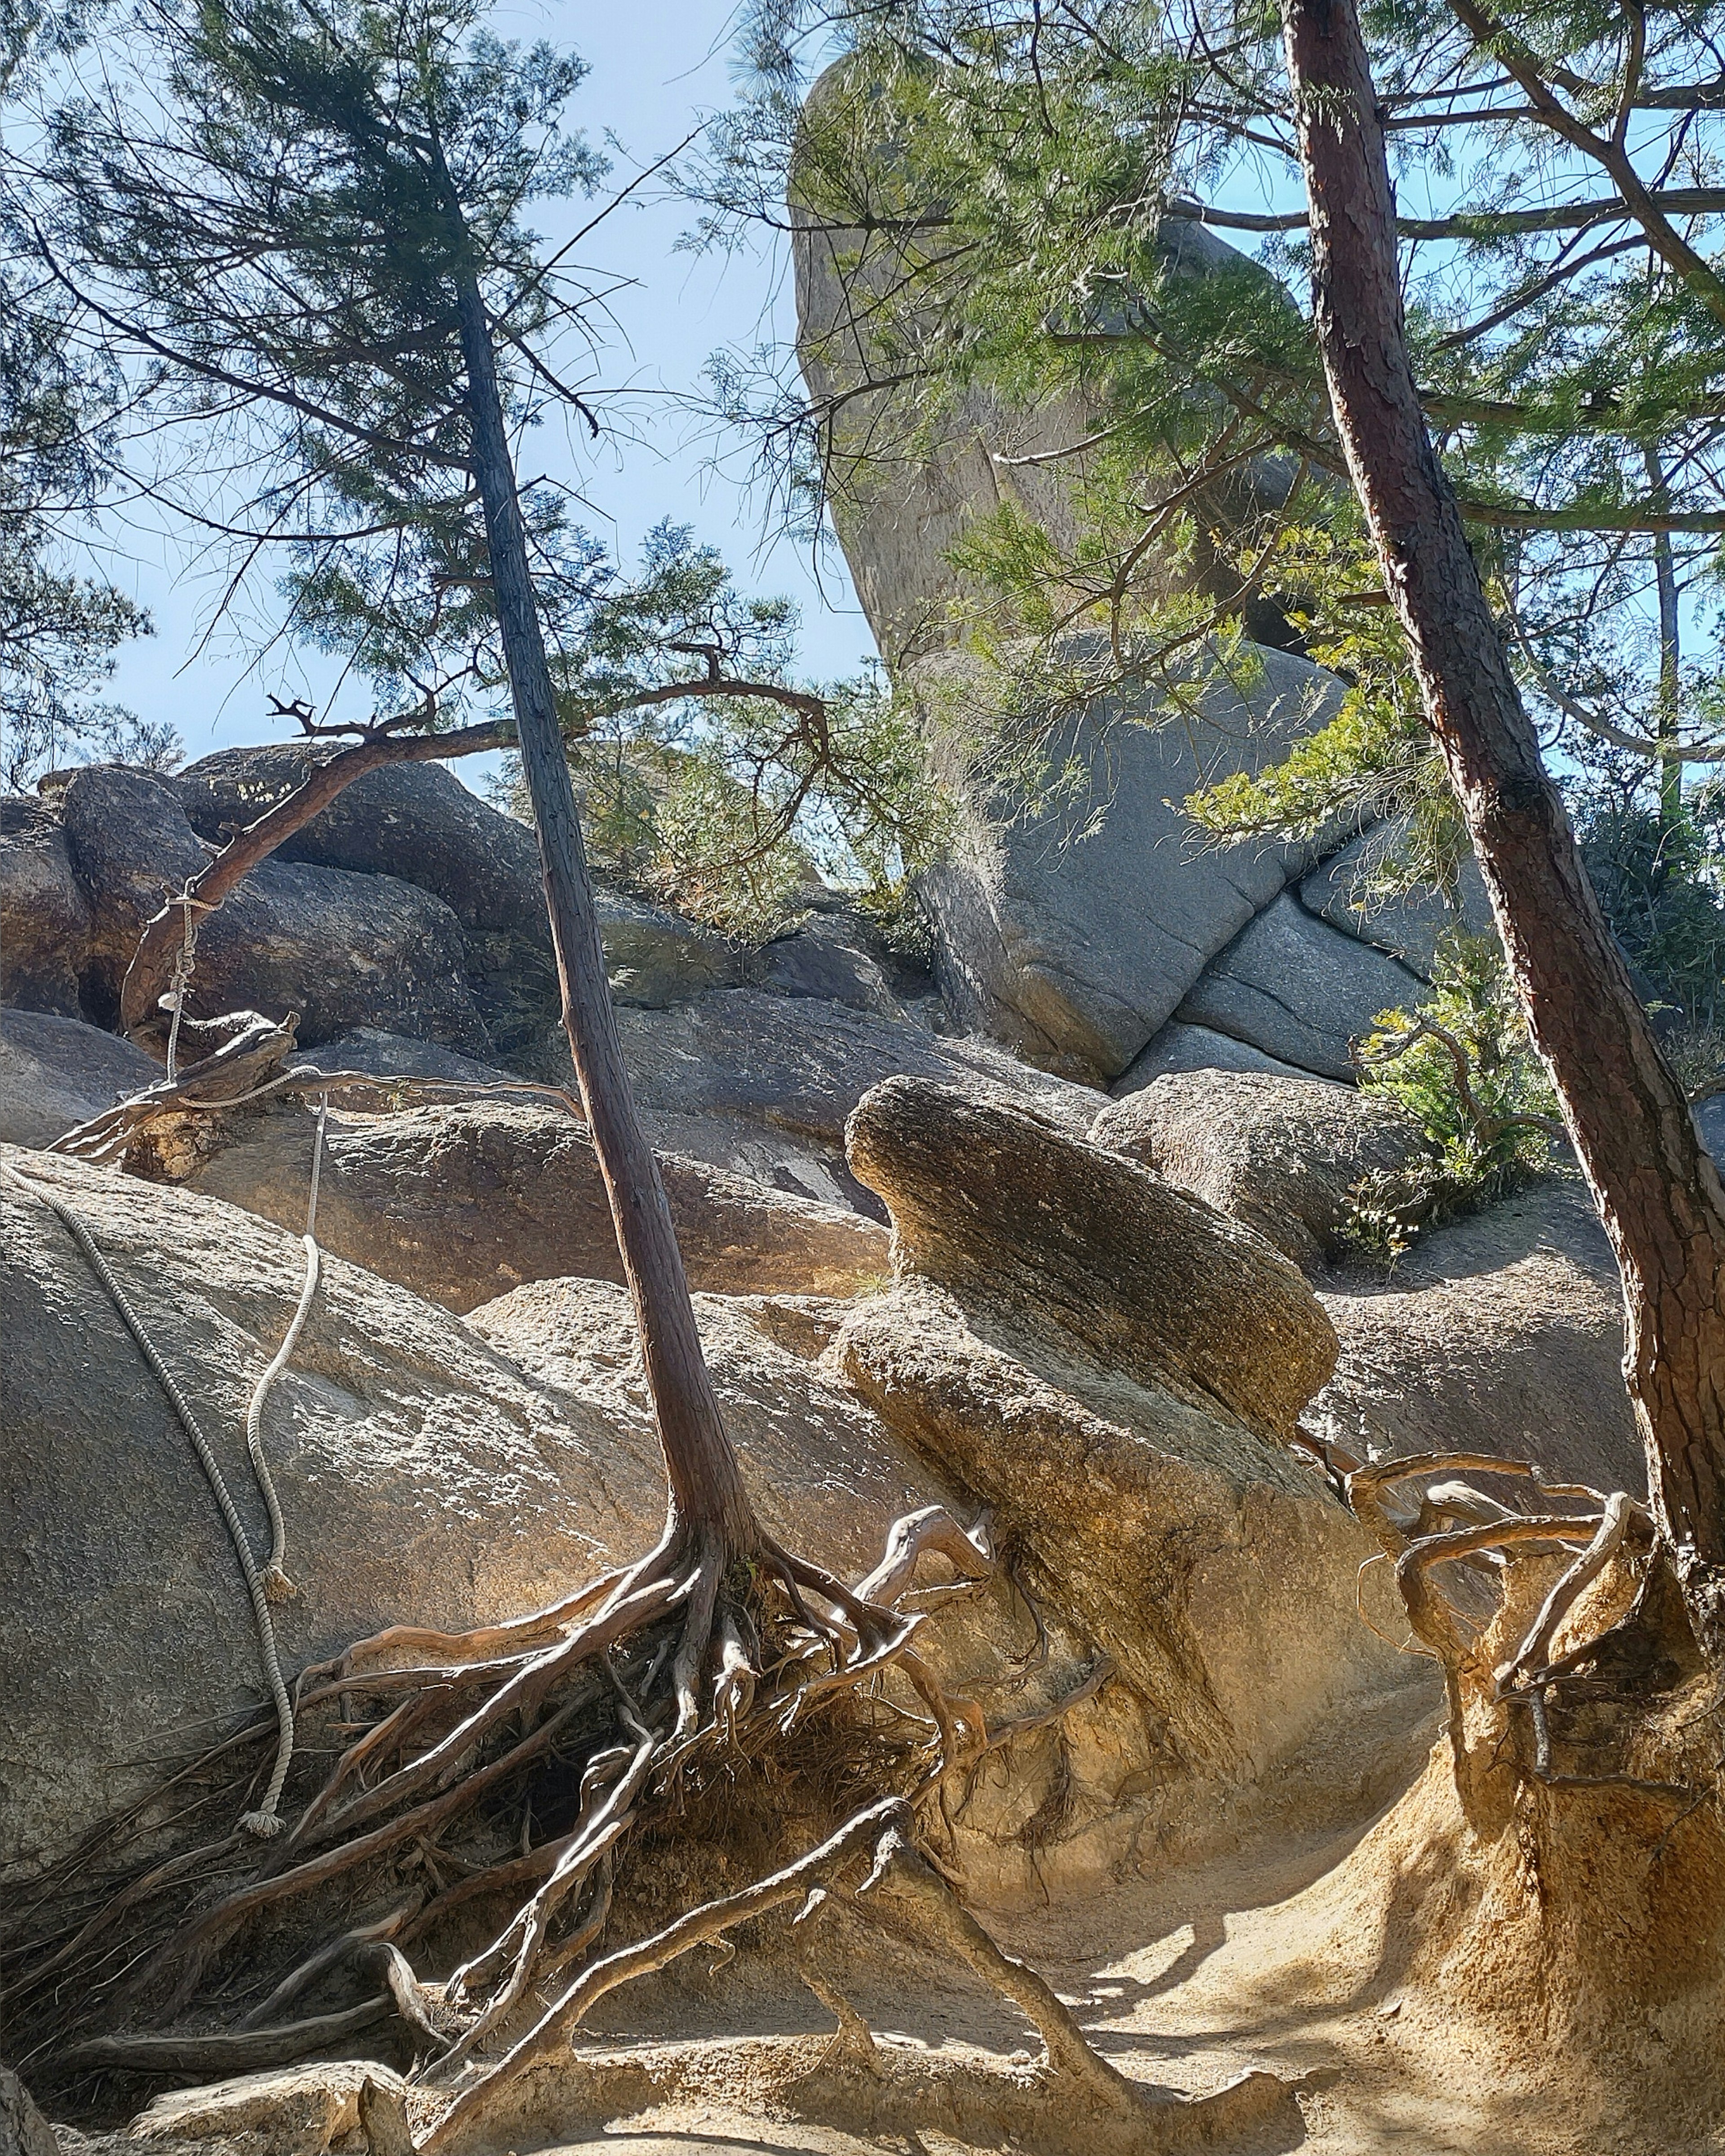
[[430, 1471], [1500, 1333], [760, 1084], [1109, 1364], [1407, 928], [56, 1073], [1073, 931], [1103, 1257], [44, 923], [462, 1203], [417, 822], [341, 949], [1285, 1155], [1300, 990]]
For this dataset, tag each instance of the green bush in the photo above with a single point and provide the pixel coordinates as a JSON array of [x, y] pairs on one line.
[[1461, 1067]]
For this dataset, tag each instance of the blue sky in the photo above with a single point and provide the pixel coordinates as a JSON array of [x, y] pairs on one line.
[[657, 65]]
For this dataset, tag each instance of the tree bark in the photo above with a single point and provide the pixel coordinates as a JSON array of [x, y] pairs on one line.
[[1657, 1191], [707, 1494]]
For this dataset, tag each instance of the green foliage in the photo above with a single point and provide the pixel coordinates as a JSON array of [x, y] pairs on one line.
[[1660, 880], [1460, 1067], [1375, 760], [1010, 192]]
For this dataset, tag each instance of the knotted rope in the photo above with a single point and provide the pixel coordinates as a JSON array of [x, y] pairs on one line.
[[270, 1582]]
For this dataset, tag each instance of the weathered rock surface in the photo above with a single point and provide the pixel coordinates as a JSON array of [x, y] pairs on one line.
[[1075, 954], [1406, 928], [1104, 1258], [419, 824], [761, 1085], [393, 1056], [1284, 1155], [24, 2131], [423, 1476], [291, 2111], [341, 949], [1291, 984], [1178, 1047], [1067, 1364], [420, 1473], [1076, 951], [1500, 1333], [463, 1202], [44, 923], [56, 1073], [657, 958]]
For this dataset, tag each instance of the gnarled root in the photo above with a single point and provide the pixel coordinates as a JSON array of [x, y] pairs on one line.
[[906, 1895], [508, 1765]]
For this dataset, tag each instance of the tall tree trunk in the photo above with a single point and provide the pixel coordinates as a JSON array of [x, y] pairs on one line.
[[1658, 1192], [706, 1485]]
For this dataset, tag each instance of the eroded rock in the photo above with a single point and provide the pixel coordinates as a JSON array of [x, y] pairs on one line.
[[291, 2111], [1067, 1364], [1284, 1155], [44, 923], [1104, 1258], [341, 949], [463, 1201], [56, 1073]]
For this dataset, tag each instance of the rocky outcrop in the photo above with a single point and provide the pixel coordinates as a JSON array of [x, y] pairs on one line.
[[1285, 1155], [44, 923], [1297, 988], [1076, 953], [1500, 1333], [1074, 932], [463, 1202], [418, 823], [760, 1084], [56, 1073], [1108, 1373], [341, 949]]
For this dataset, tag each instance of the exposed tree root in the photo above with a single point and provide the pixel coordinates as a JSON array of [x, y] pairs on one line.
[[504, 1769], [1532, 1693]]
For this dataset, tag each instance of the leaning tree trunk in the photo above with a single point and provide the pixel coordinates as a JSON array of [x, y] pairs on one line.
[[707, 1496], [1658, 1192]]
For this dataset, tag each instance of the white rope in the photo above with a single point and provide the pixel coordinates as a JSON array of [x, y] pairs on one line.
[[266, 1821], [181, 983]]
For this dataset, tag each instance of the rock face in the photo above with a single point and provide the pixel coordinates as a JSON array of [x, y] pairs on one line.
[[419, 824], [1107, 1373], [341, 949], [1075, 954], [1500, 1333], [420, 1473], [760, 1084], [1407, 929], [44, 923], [463, 1202], [56, 1073], [1291, 984], [1075, 950], [1284, 1155]]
